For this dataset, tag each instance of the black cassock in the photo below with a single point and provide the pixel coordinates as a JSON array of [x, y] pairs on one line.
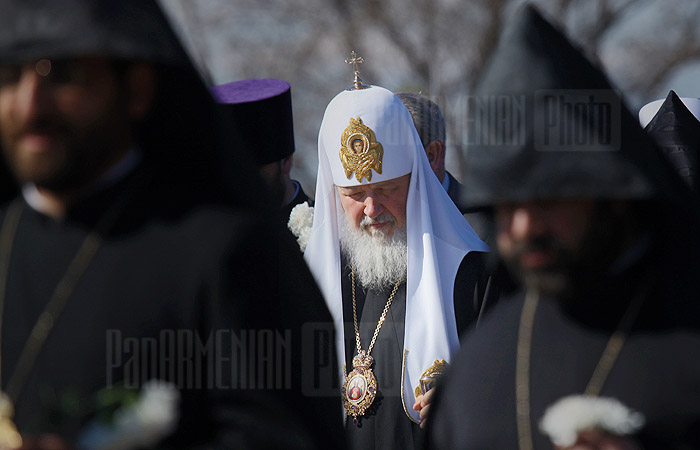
[[656, 373], [386, 425], [174, 273]]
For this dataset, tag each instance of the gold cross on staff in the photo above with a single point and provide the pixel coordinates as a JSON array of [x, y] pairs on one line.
[[355, 59]]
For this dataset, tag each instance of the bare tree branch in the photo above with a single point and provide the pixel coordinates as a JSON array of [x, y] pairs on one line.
[[437, 45]]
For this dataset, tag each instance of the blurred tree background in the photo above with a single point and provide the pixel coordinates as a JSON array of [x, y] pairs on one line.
[[434, 47]]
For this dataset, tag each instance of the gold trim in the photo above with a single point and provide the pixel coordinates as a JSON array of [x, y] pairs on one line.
[[342, 380], [429, 376], [360, 160], [403, 396]]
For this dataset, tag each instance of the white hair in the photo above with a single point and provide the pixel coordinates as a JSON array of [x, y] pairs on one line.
[[380, 261]]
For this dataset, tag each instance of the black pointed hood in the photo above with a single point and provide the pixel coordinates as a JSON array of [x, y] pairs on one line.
[[546, 124], [133, 30], [677, 132], [184, 137]]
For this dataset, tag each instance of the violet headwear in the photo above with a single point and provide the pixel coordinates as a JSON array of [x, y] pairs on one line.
[[261, 113]]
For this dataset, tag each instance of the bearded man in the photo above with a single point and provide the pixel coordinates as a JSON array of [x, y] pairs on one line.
[[400, 268], [127, 220], [597, 344]]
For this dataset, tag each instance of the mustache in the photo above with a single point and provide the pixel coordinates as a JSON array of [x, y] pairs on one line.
[[366, 221], [539, 244], [43, 125]]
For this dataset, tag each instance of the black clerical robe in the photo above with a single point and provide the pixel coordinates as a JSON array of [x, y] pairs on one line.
[[656, 373], [386, 425], [182, 289]]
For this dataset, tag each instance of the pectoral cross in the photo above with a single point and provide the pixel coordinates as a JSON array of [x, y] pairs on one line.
[[355, 59]]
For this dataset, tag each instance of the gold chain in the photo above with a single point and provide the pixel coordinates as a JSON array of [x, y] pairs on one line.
[[381, 319], [522, 364], [522, 371], [613, 348], [7, 234], [63, 291]]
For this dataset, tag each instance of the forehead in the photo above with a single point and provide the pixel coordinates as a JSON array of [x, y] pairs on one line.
[[549, 207], [399, 182]]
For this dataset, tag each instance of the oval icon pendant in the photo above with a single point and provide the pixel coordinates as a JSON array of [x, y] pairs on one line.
[[360, 387]]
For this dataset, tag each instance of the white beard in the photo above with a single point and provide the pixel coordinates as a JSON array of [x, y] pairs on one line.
[[380, 261]]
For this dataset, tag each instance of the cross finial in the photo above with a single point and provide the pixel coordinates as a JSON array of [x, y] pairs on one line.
[[355, 59]]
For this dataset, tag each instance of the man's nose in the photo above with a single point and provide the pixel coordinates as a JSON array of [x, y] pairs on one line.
[[527, 221], [31, 95], [373, 207]]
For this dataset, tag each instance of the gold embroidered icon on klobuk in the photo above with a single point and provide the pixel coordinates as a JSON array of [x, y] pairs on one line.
[[360, 152]]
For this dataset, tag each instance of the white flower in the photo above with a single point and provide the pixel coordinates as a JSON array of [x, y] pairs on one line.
[[153, 416], [301, 220], [140, 425], [569, 416]]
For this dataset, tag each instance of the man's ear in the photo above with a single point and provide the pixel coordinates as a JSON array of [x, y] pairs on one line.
[[436, 154], [287, 164], [141, 82]]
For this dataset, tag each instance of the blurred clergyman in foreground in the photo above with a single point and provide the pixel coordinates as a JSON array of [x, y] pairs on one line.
[[598, 344], [137, 249]]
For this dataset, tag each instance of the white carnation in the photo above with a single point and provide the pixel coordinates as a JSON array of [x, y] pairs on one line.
[[153, 416], [143, 424], [301, 220], [569, 416]]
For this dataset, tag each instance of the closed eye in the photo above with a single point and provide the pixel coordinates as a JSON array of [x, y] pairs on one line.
[[355, 194]]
